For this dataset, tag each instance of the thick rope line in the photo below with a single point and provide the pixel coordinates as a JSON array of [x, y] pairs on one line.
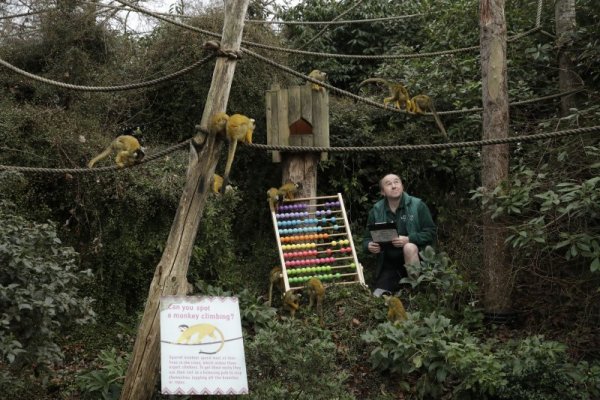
[[338, 22], [380, 105], [296, 149], [107, 88], [94, 170], [311, 53], [434, 146], [322, 31]]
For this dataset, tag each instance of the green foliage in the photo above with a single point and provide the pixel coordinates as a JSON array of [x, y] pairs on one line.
[[549, 215], [437, 285], [106, 381], [434, 357], [40, 283], [294, 360]]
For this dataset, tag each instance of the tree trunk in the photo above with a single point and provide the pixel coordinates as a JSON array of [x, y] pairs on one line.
[[566, 24], [170, 274], [497, 276]]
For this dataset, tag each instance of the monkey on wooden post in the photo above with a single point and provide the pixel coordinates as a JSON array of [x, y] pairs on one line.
[[239, 128], [320, 76]]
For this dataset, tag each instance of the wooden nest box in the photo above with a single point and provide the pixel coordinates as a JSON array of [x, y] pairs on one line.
[[297, 116]]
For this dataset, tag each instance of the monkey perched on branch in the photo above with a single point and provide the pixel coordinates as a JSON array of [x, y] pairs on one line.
[[398, 93], [421, 103]]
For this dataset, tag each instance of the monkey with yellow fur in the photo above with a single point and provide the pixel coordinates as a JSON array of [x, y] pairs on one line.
[[239, 128], [288, 191], [421, 103], [320, 76], [218, 123], [396, 311], [398, 93], [316, 294], [273, 198], [291, 302], [275, 278], [128, 149]]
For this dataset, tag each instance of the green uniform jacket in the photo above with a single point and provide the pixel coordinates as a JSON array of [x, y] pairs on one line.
[[412, 212]]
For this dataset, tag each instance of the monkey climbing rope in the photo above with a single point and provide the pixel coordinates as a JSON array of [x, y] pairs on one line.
[[406, 147], [314, 240]]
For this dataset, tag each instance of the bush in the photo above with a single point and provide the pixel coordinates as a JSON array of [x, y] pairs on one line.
[[436, 358], [39, 290]]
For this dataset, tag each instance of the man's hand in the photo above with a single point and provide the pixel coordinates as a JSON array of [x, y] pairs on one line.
[[400, 241], [374, 248]]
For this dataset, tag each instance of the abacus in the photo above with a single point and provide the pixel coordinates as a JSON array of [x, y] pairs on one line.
[[314, 240]]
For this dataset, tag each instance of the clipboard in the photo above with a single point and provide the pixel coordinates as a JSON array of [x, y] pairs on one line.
[[383, 232]]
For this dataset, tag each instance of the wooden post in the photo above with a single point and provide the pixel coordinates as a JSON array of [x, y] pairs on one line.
[[298, 116], [497, 274], [170, 274]]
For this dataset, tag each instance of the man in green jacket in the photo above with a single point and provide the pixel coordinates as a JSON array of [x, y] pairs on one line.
[[415, 228]]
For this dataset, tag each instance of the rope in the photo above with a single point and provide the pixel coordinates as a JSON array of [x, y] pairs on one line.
[[310, 53], [295, 149], [434, 146], [322, 31], [336, 22], [152, 157], [381, 106], [107, 88]]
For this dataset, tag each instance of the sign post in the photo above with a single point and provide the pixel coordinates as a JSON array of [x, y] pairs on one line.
[[202, 349]]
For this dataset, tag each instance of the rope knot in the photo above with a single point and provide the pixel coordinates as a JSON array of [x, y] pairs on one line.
[[216, 47]]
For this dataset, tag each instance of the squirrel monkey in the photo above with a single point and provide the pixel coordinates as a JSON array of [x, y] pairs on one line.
[[316, 294], [128, 149], [320, 76], [275, 278], [288, 191], [238, 128], [218, 122], [396, 311], [421, 103], [398, 93], [291, 302], [273, 197], [195, 334]]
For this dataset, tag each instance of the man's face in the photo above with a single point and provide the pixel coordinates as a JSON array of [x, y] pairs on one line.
[[391, 187]]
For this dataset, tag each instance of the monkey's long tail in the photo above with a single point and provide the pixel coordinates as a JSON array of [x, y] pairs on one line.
[[438, 121], [374, 80], [230, 156], [100, 156]]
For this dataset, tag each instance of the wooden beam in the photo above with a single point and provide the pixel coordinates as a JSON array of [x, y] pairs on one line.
[[170, 274]]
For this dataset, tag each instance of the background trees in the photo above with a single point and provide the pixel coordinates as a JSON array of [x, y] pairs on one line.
[[118, 222]]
